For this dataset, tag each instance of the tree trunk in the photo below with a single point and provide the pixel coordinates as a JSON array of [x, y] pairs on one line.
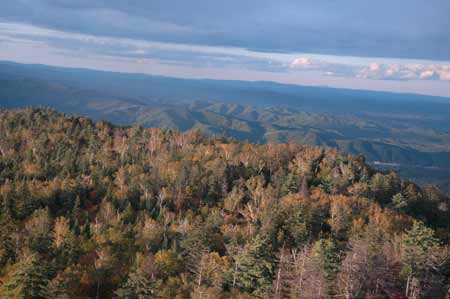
[[98, 289]]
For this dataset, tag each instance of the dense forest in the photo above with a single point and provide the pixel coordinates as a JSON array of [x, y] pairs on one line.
[[93, 210]]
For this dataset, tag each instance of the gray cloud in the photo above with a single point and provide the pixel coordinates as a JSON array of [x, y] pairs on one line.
[[383, 28]]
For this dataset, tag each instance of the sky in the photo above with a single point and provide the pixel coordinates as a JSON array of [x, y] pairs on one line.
[[401, 45]]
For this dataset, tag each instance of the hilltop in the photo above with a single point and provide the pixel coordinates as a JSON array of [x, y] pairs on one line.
[[89, 209]]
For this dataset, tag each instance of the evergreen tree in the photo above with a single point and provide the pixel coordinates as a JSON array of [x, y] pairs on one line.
[[57, 288], [417, 244], [255, 268], [27, 280], [422, 260], [326, 254]]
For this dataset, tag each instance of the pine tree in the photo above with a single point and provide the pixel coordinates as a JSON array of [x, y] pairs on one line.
[[57, 288], [255, 268], [7, 250], [421, 259], [326, 254], [418, 242], [27, 281]]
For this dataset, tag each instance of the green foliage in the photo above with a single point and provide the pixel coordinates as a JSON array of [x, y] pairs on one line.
[[418, 244]]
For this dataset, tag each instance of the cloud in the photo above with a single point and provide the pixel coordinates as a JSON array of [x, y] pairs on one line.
[[405, 72], [198, 56], [141, 51], [375, 70], [409, 29], [324, 67], [308, 64]]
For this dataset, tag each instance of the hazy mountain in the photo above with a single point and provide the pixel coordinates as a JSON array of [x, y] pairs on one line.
[[397, 130]]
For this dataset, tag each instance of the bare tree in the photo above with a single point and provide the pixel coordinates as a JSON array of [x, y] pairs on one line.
[[300, 276]]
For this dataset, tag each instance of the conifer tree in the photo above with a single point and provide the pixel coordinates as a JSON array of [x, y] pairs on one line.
[[421, 261], [27, 280], [255, 268]]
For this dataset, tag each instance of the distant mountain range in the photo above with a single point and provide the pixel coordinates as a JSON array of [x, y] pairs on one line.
[[405, 131]]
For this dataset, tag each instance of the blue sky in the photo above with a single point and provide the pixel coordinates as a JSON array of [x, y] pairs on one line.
[[401, 45]]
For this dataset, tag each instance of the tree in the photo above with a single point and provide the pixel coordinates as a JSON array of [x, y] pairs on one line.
[[61, 232], [38, 230], [399, 202], [209, 274], [422, 259], [27, 280], [299, 276], [58, 287], [167, 263], [104, 266], [352, 277], [137, 286], [255, 268], [7, 246], [340, 221], [325, 253], [304, 189]]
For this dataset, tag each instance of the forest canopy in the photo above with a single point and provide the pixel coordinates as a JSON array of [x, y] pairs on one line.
[[93, 210]]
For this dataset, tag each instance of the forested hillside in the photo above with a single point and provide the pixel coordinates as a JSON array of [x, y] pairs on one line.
[[91, 210]]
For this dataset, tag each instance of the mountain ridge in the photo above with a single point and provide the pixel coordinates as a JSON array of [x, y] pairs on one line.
[[414, 133]]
